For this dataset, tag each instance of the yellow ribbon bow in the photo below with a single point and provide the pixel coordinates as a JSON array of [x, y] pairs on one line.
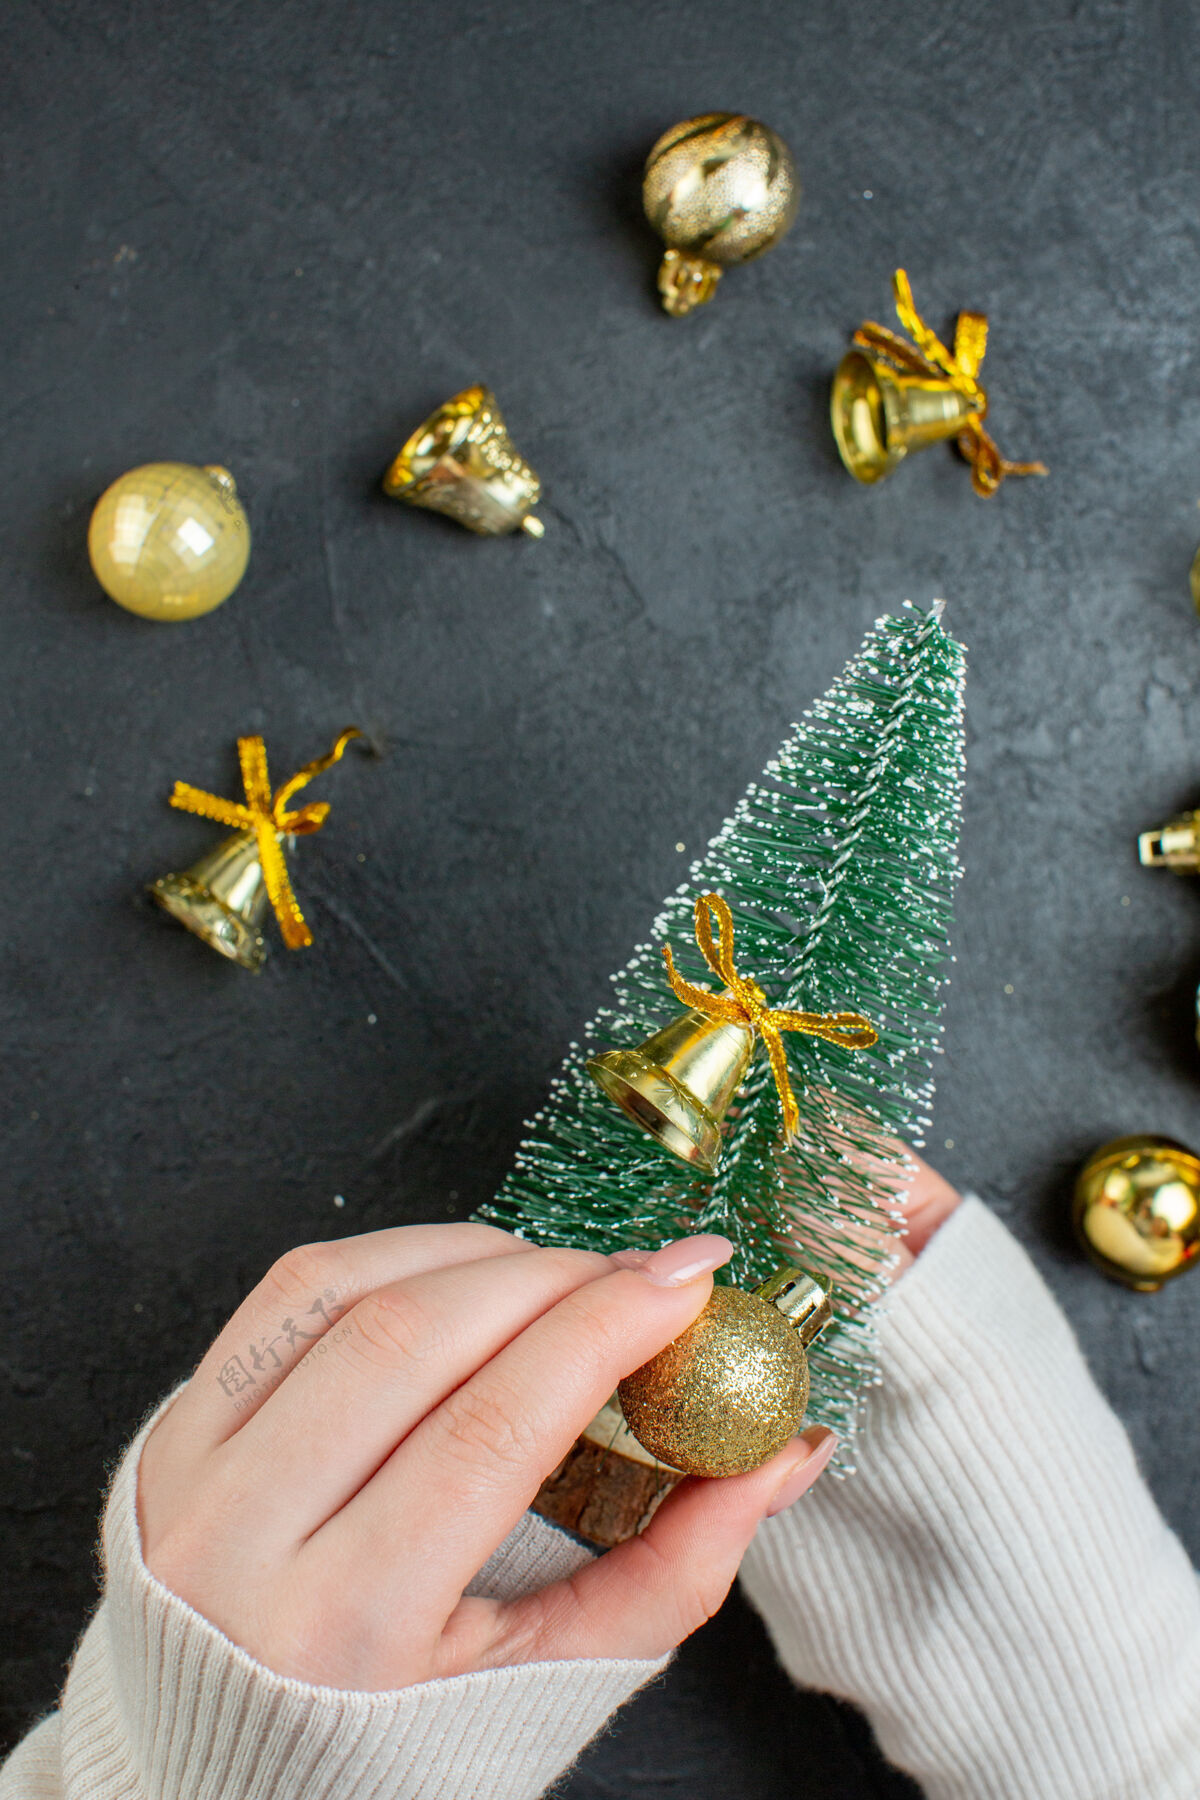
[[744, 1003], [268, 818], [927, 355]]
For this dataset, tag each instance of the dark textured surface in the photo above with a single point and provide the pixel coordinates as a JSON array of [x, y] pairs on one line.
[[274, 237]]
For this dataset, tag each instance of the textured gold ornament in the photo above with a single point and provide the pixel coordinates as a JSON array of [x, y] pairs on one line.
[[462, 462], [732, 1389], [169, 541], [891, 396], [1194, 581], [718, 189], [1137, 1210], [223, 898]]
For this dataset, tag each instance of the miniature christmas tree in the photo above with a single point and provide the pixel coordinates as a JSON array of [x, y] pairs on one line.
[[838, 868]]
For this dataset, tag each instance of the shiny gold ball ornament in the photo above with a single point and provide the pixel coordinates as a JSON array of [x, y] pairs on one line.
[[732, 1389], [1137, 1210], [1194, 581], [169, 541], [718, 189]]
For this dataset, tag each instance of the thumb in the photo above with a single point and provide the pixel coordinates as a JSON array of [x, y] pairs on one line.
[[647, 1595]]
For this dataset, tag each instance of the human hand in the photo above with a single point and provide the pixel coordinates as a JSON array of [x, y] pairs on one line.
[[323, 1492], [927, 1205], [923, 1199]]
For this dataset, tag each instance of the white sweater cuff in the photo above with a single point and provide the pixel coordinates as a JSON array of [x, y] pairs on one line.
[[160, 1705], [994, 1586]]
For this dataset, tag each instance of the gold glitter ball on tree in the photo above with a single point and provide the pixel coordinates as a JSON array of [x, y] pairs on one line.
[[718, 189], [169, 541], [732, 1389], [1137, 1210]]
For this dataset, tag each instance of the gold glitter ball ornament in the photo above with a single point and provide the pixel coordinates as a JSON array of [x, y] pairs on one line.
[[1137, 1210], [718, 189], [169, 540], [732, 1389]]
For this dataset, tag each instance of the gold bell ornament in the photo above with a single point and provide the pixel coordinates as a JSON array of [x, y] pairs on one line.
[[732, 1389], [891, 396], [1174, 846], [463, 463], [169, 541], [223, 898], [678, 1084], [1137, 1210], [718, 189]]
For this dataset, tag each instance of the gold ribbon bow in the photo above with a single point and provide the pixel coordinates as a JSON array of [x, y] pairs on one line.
[[927, 355], [744, 1003], [268, 817]]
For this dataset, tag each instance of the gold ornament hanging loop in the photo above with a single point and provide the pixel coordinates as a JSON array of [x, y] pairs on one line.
[[744, 1003], [268, 817], [927, 355]]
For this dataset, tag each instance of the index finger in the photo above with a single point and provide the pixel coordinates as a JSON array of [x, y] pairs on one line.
[[475, 1463], [295, 1303]]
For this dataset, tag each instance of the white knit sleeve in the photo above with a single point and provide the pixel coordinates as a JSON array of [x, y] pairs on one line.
[[159, 1705], [994, 1587]]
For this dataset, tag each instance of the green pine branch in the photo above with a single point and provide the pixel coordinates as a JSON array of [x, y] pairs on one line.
[[838, 867]]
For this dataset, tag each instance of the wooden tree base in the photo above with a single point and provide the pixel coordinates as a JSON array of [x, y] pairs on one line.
[[607, 1487]]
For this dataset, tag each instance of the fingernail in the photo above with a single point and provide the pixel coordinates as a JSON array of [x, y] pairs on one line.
[[678, 1263], [802, 1474]]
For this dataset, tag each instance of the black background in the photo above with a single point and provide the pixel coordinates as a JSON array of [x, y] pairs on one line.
[[275, 237]]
